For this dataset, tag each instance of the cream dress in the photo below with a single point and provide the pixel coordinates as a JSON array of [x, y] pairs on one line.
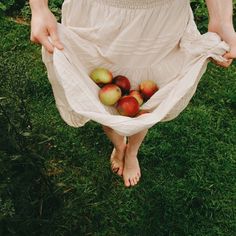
[[141, 39]]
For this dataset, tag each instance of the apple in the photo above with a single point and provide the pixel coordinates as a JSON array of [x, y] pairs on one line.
[[136, 94], [109, 94], [127, 106], [123, 83], [141, 112], [101, 75], [147, 88]]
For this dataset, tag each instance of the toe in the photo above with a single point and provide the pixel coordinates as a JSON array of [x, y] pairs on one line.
[[120, 172], [132, 181], [115, 168], [127, 183], [112, 165]]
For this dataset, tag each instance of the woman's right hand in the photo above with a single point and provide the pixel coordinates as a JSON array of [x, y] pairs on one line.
[[44, 24]]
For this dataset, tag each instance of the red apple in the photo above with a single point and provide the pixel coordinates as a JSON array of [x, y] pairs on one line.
[[147, 88], [136, 94], [123, 83], [109, 94], [128, 106], [141, 112], [101, 75]]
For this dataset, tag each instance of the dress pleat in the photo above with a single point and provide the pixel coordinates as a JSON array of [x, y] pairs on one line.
[[141, 39]]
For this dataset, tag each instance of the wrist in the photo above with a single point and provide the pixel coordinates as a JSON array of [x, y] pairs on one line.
[[38, 5], [219, 27], [38, 2], [227, 33]]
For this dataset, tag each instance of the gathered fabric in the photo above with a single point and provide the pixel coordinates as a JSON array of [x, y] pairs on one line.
[[141, 39]]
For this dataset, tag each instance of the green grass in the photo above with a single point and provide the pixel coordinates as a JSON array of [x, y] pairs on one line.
[[56, 180]]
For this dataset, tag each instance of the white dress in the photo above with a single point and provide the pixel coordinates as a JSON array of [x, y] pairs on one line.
[[141, 39]]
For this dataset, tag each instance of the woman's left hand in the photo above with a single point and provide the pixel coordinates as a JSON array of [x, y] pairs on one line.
[[228, 35]]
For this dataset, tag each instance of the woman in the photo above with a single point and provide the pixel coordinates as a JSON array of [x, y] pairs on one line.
[[124, 156]]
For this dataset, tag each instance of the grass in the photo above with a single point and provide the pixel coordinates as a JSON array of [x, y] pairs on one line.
[[55, 180]]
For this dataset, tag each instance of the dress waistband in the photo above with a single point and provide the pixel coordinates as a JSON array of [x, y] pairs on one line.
[[133, 3]]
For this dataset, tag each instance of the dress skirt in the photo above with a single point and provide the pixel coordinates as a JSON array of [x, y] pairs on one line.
[[140, 39]]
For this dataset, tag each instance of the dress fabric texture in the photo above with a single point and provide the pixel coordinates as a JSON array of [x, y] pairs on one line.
[[141, 39]]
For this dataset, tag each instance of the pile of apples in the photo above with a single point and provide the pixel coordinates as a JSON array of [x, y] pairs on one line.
[[116, 92]]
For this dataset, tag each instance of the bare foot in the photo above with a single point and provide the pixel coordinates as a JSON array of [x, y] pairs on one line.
[[117, 159], [131, 172]]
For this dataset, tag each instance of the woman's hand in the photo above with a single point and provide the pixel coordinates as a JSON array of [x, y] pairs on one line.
[[44, 24], [221, 22], [227, 34]]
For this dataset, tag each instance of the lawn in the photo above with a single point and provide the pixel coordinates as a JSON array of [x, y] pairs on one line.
[[56, 180]]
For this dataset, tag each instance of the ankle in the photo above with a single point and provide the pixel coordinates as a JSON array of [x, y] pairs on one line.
[[131, 151], [120, 147]]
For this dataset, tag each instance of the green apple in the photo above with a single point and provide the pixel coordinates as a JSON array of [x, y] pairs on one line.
[[101, 76], [109, 94]]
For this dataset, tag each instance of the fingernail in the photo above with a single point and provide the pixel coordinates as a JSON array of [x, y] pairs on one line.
[[60, 46]]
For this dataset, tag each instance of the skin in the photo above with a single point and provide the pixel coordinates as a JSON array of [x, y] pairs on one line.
[[221, 22], [123, 159], [44, 24]]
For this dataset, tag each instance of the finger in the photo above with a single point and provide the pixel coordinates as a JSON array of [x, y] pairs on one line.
[[228, 55], [33, 39], [55, 39], [215, 62], [231, 54], [47, 45], [222, 64], [227, 63]]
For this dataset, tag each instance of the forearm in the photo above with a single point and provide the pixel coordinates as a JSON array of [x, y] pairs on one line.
[[221, 22], [37, 5], [220, 13]]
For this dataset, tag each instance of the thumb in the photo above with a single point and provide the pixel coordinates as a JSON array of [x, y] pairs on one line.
[[55, 39], [231, 54], [228, 56]]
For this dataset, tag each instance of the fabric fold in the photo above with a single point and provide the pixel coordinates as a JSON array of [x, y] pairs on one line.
[[177, 73]]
